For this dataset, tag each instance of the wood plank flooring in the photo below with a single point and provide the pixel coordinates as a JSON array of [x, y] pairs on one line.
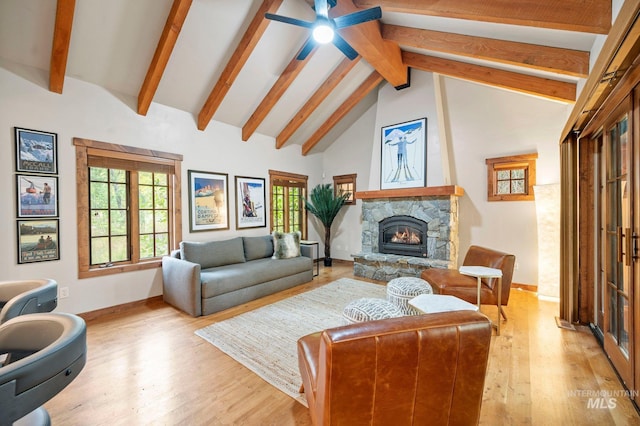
[[146, 366]]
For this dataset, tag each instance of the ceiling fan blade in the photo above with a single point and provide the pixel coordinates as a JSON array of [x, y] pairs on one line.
[[344, 47], [358, 17], [321, 7], [288, 20], [306, 49]]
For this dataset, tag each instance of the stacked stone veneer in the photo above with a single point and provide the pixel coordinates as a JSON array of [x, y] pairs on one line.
[[441, 215]]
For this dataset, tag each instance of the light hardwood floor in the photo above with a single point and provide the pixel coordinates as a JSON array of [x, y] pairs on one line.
[[146, 366]]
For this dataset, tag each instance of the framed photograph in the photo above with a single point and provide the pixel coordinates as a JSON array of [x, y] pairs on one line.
[[250, 203], [37, 195], [38, 240], [36, 151], [208, 201], [403, 161]]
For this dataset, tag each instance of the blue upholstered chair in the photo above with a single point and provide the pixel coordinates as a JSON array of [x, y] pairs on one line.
[[27, 297], [54, 350]]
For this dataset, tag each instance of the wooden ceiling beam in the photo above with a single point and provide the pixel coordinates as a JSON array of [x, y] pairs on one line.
[[538, 86], [553, 59], [167, 42], [285, 80], [240, 56], [363, 90], [384, 56], [590, 16], [60, 47], [338, 74]]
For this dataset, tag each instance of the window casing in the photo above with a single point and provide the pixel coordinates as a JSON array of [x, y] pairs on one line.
[[511, 178], [288, 195], [127, 215], [346, 183]]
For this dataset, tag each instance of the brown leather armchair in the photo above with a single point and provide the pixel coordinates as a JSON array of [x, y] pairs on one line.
[[450, 281], [414, 370]]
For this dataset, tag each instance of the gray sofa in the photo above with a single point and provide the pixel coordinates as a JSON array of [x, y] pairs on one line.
[[206, 277]]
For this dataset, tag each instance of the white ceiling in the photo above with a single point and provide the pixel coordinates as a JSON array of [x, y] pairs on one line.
[[113, 42]]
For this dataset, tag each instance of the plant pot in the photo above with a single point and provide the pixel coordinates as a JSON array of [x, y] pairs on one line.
[[327, 261]]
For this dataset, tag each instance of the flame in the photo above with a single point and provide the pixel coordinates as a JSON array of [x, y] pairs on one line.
[[406, 237]]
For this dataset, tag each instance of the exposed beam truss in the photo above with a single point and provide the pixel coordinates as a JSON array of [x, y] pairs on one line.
[[591, 16], [240, 56], [167, 41], [61, 40]]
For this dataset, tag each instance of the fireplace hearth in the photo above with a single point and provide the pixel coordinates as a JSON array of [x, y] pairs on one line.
[[403, 235]]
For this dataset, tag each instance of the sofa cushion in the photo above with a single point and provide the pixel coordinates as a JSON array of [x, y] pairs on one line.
[[229, 278], [213, 253], [257, 247], [286, 245]]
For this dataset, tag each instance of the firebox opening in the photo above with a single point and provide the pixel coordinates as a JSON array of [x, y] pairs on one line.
[[404, 235]]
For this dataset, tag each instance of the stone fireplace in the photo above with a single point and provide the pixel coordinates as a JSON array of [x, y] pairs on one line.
[[405, 231]]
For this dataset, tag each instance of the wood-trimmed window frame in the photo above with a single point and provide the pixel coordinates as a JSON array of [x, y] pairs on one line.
[[526, 162], [169, 162], [346, 183], [279, 178]]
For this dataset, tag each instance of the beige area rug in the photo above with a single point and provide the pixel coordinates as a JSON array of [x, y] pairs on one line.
[[264, 340]]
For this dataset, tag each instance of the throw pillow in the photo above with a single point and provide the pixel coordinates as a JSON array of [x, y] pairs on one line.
[[286, 245]]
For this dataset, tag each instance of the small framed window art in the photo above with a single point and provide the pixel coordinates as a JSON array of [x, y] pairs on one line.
[[346, 184], [511, 178]]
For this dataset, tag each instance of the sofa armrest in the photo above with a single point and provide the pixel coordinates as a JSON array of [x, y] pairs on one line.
[[307, 251], [181, 286]]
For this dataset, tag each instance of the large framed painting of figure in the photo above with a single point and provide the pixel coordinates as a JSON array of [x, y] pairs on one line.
[[36, 151], [208, 201], [403, 161], [37, 195], [250, 202], [38, 240]]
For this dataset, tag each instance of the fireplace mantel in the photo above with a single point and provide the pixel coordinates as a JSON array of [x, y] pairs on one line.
[[428, 191]]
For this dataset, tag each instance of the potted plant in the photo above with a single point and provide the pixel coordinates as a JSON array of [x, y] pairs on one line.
[[325, 205]]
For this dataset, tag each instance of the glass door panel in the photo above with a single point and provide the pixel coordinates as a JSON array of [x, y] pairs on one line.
[[618, 228]]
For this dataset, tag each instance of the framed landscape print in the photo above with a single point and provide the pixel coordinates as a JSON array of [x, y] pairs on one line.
[[37, 195], [36, 151], [38, 240], [250, 203], [403, 161], [208, 201]]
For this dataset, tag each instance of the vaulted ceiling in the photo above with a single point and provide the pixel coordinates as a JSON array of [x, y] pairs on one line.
[[223, 60]]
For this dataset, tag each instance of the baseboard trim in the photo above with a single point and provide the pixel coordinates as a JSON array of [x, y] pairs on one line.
[[527, 287], [92, 315]]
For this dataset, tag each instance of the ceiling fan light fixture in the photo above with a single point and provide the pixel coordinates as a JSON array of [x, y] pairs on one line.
[[323, 33]]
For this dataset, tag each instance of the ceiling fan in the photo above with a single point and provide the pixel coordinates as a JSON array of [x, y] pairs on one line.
[[324, 27]]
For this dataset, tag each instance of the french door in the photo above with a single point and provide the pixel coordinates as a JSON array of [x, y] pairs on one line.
[[619, 229]]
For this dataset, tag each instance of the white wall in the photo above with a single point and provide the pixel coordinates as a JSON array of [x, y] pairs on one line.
[[488, 122], [350, 153], [89, 111], [485, 122]]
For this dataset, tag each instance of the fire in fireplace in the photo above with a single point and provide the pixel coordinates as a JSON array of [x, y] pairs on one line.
[[403, 235]]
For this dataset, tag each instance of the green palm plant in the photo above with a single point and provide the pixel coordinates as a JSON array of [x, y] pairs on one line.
[[324, 205]]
